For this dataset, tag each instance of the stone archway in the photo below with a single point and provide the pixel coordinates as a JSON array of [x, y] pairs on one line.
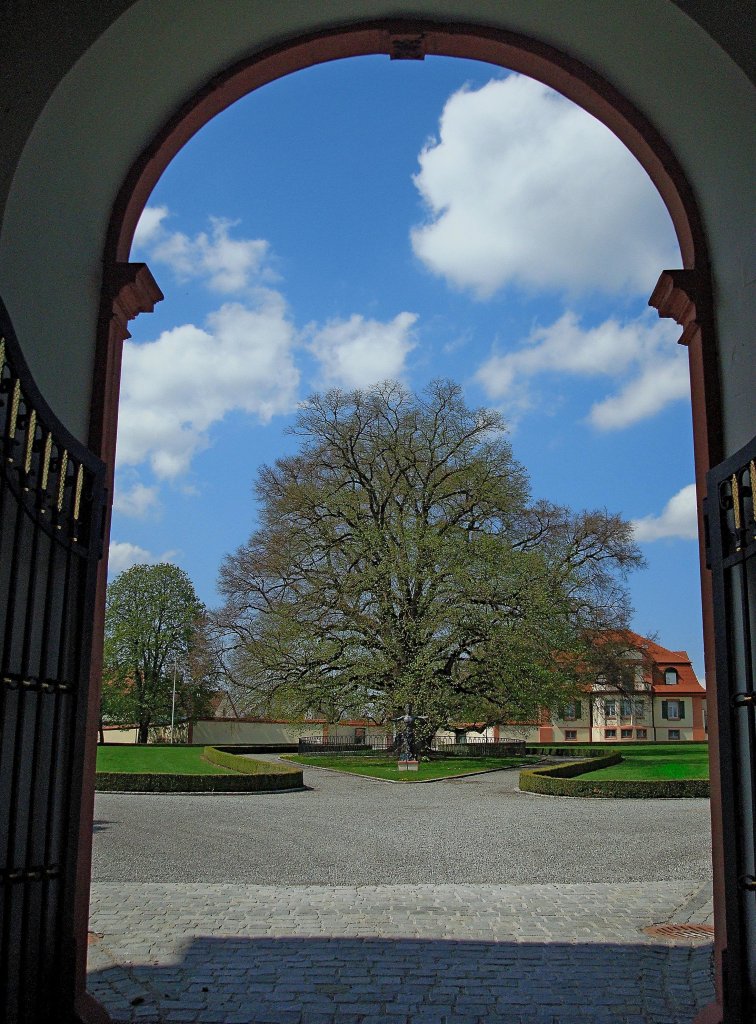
[[683, 294]]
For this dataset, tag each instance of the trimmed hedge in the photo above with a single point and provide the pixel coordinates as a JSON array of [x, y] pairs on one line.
[[566, 780], [226, 759], [257, 748], [570, 750], [245, 776], [126, 782]]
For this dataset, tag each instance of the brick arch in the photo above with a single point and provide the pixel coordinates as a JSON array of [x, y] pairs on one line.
[[413, 40]]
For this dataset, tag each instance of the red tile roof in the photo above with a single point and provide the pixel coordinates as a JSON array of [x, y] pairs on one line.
[[662, 659]]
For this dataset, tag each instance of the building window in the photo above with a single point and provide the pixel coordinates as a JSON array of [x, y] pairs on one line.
[[610, 734], [673, 710], [673, 734], [610, 708], [627, 734], [640, 709], [640, 734], [570, 734], [571, 711], [460, 735], [670, 676], [626, 707], [359, 735]]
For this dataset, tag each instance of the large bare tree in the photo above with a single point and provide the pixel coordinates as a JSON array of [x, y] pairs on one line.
[[399, 558]]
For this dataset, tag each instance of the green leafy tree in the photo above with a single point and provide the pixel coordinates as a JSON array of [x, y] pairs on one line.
[[155, 626], [399, 559]]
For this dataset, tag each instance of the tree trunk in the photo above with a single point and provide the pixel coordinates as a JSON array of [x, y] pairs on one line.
[[144, 732]]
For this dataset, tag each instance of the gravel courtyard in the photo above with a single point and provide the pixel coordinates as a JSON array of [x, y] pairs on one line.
[[348, 830], [357, 901]]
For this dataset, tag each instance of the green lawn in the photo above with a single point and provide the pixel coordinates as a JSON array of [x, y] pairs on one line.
[[658, 761], [382, 768], [153, 759]]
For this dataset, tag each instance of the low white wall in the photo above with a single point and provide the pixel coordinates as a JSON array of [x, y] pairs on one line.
[[214, 731], [127, 734]]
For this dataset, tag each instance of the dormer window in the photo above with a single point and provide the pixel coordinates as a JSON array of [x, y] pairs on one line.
[[670, 676], [600, 681]]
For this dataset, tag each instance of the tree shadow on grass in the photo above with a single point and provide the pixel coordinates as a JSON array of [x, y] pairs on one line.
[[242, 980]]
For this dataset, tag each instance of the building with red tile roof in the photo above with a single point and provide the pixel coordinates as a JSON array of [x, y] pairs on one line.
[[660, 700]]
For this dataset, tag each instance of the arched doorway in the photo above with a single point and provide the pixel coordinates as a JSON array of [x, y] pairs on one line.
[[684, 294]]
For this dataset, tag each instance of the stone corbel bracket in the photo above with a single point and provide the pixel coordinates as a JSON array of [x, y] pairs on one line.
[[683, 295], [133, 290]]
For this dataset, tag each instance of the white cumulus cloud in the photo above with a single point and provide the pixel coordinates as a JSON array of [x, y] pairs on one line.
[[137, 501], [641, 356], [357, 352], [150, 225], [225, 264], [242, 358], [661, 381], [122, 555], [175, 388], [677, 519], [522, 186]]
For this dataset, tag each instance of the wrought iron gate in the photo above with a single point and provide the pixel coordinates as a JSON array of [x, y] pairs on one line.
[[51, 497], [731, 553]]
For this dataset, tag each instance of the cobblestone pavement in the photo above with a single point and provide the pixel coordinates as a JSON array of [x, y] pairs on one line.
[[449, 952]]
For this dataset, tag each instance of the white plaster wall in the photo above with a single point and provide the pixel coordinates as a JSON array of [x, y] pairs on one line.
[[583, 733], [215, 731], [139, 71], [347, 732], [125, 735], [519, 732]]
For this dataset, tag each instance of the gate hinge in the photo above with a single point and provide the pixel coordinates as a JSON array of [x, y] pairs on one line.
[[743, 700]]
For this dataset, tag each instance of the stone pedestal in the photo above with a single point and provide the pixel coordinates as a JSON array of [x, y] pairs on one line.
[[407, 766]]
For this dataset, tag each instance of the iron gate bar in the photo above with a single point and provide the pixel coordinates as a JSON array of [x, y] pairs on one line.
[[730, 518], [51, 508]]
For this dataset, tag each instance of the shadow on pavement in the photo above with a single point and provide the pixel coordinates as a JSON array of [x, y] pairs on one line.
[[241, 980]]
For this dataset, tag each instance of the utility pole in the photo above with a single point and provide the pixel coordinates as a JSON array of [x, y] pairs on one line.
[[173, 699]]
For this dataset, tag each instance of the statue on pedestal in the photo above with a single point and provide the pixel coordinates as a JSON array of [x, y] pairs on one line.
[[407, 743]]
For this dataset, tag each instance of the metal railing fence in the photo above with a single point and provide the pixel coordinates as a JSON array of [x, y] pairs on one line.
[[388, 746]]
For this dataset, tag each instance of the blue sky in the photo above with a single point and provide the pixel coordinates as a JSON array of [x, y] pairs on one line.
[[369, 219]]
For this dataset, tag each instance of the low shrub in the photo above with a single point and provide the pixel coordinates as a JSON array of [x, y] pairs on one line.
[[505, 748], [574, 779], [570, 750], [245, 765], [164, 783]]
